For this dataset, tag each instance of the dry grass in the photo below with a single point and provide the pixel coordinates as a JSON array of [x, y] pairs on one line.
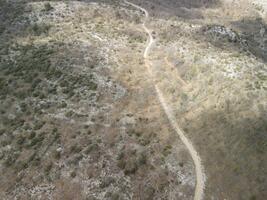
[[245, 9], [66, 189]]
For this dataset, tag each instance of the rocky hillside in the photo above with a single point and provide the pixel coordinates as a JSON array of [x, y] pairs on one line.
[[80, 117]]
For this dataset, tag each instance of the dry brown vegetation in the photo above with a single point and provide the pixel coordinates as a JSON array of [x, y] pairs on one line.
[[79, 117]]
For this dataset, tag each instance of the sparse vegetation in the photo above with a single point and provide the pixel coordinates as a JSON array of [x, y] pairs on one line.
[[79, 118]]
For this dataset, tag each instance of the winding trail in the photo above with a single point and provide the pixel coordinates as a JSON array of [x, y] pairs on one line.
[[200, 177]]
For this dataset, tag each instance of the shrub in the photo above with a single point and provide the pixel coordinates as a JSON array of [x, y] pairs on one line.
[[144, 141], [20, 165], [54, 130], [121, 164], [63, 104], [37, 140], [92, 86], [10, 160], [32, 135], [20, 140], [39, 29], [253, 197], [73, 174], [149, 192], [167, 150], [48, 7], [75, 148], [6, 142], [107, 181], [130, 167], [115, 196], [39, 125], [142, 159], [36, 161], [184, 97], [48, 168], [57, 155], [76, 159], [120, 155], [92, 147], [2, 131]]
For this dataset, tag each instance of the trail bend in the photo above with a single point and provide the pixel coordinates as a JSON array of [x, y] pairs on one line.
[[200, 176]]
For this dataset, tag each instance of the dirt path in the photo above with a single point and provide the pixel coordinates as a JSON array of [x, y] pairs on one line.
[[200, 185]]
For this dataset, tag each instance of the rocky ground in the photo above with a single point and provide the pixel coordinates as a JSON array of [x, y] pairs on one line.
[[80, 118]]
